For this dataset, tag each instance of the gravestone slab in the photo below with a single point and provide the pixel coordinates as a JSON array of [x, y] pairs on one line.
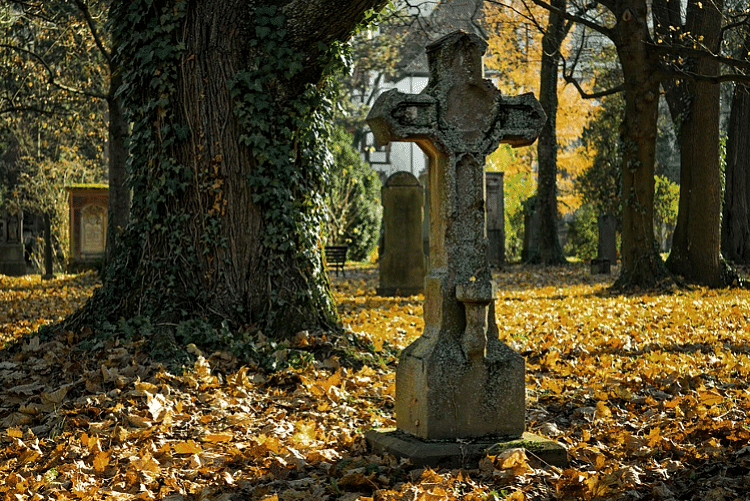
[[495, 197], [530, 235], [87, 206], [606, 248], [403, 263], [458, 381], [12, 261]]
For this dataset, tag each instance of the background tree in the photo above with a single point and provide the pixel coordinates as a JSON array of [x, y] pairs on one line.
[[644, 63], [694, 105], [51, 127], [375, 57], [525, 53], [549, 250], [66, 47], [735, 223], [60, 68], [228, 162]]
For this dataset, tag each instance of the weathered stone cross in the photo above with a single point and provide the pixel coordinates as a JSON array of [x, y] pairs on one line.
[[458, 380]]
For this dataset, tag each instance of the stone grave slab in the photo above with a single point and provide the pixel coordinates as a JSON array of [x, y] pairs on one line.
[[402, 262], [606, 248], [12, 261]]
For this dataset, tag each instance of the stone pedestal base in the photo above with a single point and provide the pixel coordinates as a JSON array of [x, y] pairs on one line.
[[12, 263], [444, 454]]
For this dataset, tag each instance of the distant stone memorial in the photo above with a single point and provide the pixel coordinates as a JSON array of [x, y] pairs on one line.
[[459, 389], [530, 235], [403, 263], [606, 248], [87, 206], [12, 261], [495, 197]]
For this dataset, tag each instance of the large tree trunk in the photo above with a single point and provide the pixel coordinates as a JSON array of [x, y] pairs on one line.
[[694, 106], [549, 249], [641, 264], [735, 223], [226, 179]]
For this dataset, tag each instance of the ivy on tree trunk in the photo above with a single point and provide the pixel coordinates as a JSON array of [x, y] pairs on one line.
[[227, 162]]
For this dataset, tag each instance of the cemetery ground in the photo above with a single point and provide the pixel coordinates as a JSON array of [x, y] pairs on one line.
[[648, 392]]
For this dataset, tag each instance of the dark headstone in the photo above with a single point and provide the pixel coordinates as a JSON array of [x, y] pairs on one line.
[[403, 263]]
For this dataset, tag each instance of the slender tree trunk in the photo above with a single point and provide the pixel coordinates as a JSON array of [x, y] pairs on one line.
[[119, 192], [735, 223], [695, 109], [549, 249], [641, 264], [48, 252]]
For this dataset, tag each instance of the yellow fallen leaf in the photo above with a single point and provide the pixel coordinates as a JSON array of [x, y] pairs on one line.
[[14, 433], [602, 411], [29, 456], [189, 447], [101, 461], [217, 437]]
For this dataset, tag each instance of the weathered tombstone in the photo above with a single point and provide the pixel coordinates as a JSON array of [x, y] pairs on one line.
[[530, 234], [495, 197], [12, 261], [606, 248], [459, 389], [402, 265], [87, 205]]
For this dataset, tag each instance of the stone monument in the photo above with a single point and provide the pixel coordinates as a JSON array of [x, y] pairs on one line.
[[403, 263], [495, 197], [459, 389], [12, 261], [87, 206], [606, 248]]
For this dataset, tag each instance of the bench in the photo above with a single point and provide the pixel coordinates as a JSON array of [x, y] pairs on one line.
[[336, 257]]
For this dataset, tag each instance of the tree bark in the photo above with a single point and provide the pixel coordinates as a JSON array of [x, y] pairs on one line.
[[694, 106], [735, 223], [641, 264], [119, 191], [549, 249], [199, 243]]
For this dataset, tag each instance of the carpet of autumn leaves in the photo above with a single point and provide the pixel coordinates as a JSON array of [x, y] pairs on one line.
[[647, 391]]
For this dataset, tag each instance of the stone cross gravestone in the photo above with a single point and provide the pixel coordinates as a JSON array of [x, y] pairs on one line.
[[403, 263], [458, 381]]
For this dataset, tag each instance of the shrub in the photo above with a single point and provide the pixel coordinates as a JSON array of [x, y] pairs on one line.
[[353, 202]]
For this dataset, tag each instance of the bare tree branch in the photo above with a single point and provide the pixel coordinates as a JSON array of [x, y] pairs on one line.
[[84, 8], [680, 50], [51, 75], [577, 18]]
